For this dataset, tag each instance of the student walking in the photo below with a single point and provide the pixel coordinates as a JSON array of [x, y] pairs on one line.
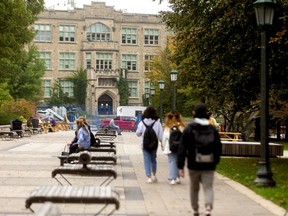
[[173, 128], [202, 146], [150, 118]]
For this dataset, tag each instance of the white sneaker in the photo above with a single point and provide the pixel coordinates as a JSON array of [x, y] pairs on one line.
[[154, 179], [178, 181], [172, 182], [149, 181]]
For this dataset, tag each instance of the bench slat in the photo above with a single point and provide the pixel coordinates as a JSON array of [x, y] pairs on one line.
[[74, 194]]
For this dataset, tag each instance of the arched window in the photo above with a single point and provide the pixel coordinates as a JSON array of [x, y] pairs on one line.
[[98, 32]]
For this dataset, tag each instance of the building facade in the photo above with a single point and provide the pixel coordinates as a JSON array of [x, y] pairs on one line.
[[102, 41]]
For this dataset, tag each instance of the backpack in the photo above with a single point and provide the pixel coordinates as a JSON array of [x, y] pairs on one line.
[[93, 140], [150, 139], [204, 145], [174, 139]]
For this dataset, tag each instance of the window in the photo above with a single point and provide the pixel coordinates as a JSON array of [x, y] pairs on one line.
[[88, 60], [46, 84], [103, 61], [147, 87], [46, 57], [151, 36], [98, 32], [129, 35], [148, 62], [67, 33], [132, 88], [43, 32], [129, 62], [67, 61], [67, 87]]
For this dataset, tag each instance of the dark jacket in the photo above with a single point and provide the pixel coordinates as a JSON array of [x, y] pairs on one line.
[[187, 147]]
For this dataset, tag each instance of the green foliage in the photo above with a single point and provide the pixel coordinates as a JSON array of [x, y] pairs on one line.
[[123, 88], [4, 93], [21, 109], [243, 170], [27, 82], [79, 78], [16, 18], [217, 50], [58, 96]]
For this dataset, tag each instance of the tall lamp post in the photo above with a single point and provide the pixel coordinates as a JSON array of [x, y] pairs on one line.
[[264, 10], [161, 85], [173, 76], [152, 92]]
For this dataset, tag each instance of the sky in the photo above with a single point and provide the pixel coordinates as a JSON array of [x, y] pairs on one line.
[[128, 6]]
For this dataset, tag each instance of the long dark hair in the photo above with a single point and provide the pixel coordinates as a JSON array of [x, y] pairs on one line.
[[150, 112]]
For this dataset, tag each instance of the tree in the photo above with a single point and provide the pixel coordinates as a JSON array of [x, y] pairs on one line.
[[58, 96], [4, 93], [27, 82], [123, 88], [21, 109], [79, 78], [16, 19], [218, 55]]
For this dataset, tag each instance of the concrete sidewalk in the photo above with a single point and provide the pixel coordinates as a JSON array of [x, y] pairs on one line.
[[26, 163]]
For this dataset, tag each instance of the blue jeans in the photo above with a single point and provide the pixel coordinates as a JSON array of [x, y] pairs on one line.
[[150, 163], [117, 128], [173, 169]]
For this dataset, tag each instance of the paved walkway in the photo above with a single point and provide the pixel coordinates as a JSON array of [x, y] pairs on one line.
[[26, 163]]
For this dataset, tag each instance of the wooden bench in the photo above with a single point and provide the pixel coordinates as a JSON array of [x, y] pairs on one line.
[[105, 136], [48, 209], [8, 135], [96, 158], [230, 136], [249, 149], [104, 143], [85, 169], [74, 194], [102, 149]]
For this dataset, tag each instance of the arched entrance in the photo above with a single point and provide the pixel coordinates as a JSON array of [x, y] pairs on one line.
[[105, 105]]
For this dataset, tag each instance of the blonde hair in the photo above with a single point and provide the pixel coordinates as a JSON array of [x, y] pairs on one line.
[[84, 119], [173, 118], [81, 124]]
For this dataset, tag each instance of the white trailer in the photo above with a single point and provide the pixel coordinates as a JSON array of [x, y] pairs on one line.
[[130, 110]]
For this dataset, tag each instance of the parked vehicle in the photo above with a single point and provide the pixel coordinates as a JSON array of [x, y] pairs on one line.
[[126, 123], [130, 110]]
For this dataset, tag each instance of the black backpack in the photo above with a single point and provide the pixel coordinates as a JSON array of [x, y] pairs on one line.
[[174, 139], [150, 139], [93, 140], [204, 144]]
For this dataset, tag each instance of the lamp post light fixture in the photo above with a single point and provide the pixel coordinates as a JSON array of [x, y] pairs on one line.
[[147, 98], [173, 76], [161, 85], [152, 92], [264, 10]]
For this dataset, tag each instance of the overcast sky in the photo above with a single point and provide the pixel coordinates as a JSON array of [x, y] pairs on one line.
[[130, 6]]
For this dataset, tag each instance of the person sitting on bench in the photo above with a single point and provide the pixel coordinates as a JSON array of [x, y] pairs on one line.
[[83, 137], [114, 126]]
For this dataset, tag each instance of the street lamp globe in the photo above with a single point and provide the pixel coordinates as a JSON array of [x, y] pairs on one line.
[[173, 75], [161, 84], [147, 95], [264, 10], [152, 91]]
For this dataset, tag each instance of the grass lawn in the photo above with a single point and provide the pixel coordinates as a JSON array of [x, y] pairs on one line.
[[285, 144], [243, 170]]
